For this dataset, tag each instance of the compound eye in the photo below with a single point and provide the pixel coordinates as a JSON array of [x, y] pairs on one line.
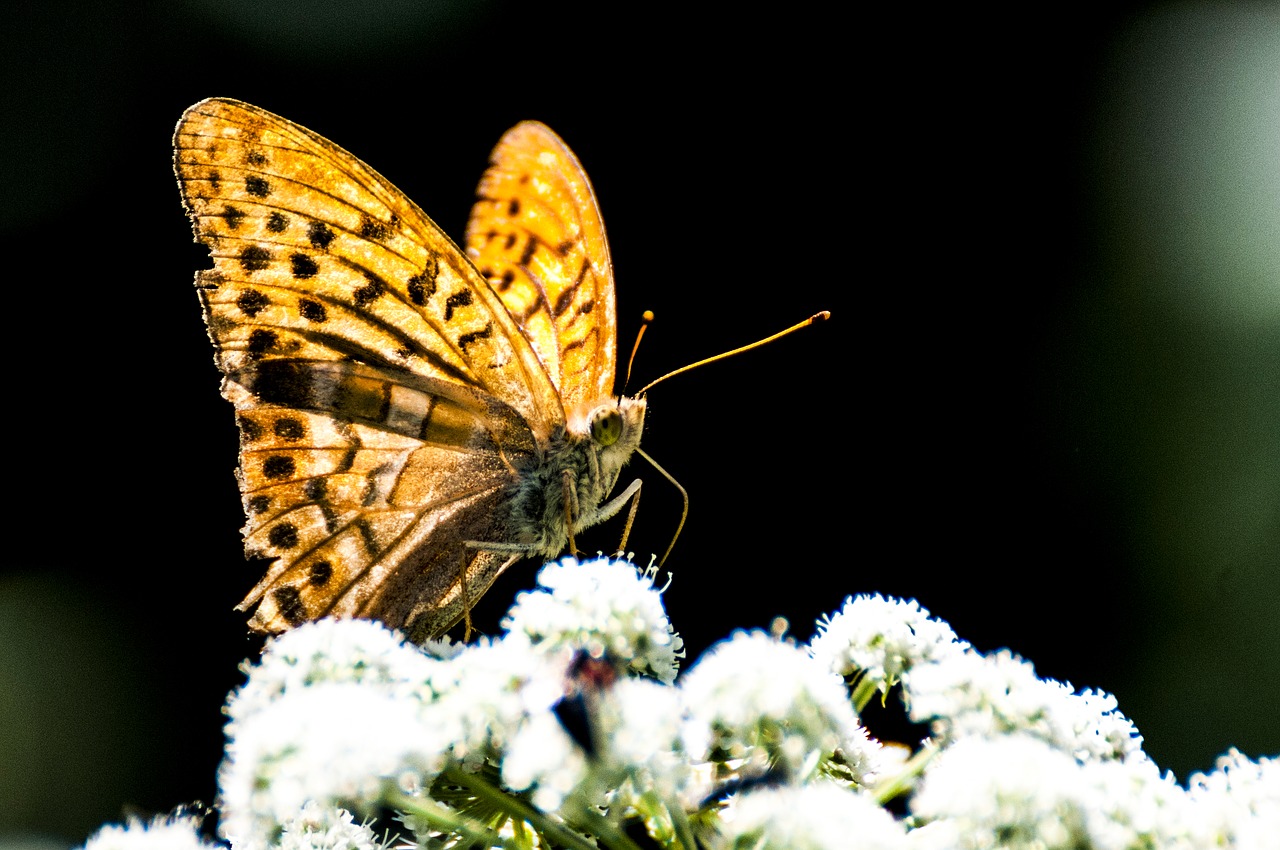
[[606, 426]]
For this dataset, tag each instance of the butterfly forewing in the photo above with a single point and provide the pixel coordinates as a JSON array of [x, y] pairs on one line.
[[318, 257], [536, 234]]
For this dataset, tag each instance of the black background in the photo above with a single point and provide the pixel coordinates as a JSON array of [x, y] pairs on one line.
[[983, 425]]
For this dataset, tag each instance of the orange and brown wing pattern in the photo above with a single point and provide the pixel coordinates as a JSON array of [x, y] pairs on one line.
[[317, 257], [386, 398], [536, 234], [362, 487]]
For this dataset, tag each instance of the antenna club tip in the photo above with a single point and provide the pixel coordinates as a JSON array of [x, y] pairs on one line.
[[820, 317], [647, 315]]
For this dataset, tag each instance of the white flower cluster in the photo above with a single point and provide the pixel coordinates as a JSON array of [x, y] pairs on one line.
[[570, 725], [177, 832], [879, 639], [594, 608], [970, 694]]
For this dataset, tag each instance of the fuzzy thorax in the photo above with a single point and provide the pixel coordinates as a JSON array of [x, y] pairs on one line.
[[597, 442]]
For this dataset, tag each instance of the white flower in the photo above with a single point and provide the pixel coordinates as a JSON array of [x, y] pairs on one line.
[[1135, 807], [178, 832], [1238, 803], [822, 816], [1013, 791], [636, 749], [882, 638], [318, 827], [644, 736], [755, 697], [337, 743], [1017, 791], [544, 759], [602, 607], [361, 651], [483, 695], [970, 694]]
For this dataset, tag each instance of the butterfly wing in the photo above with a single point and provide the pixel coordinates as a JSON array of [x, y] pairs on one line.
[[386, 397], [536, 234]]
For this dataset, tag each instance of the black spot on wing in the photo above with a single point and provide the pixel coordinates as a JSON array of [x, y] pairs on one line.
[[319, 573], [564, 301], [262, 341], [315, 489], [288, 428], [278, 466], [257, 186], [423, 284], [259, 504], [371, 228], [461, 298], [302, 266], [289, 605], [251, 302], [320, 234], [283, 536], [367, 536], [312, 311], [256, 158], [367, 294], [232, 217], [254, 258], [250, 430], [277, 222], [284, 382], [473, 336]]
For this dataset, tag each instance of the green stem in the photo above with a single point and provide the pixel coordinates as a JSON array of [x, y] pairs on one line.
[[445, 819], [604, 828], [684, 832], [892, 786], [863, 692], [518, 809]]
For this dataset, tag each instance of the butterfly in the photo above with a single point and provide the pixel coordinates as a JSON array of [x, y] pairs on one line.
[[413, 419]]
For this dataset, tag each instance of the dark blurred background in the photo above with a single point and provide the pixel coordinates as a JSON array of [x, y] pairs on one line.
[[1045, 406]]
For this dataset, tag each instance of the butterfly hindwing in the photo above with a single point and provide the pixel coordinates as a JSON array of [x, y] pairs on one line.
[[344, 503], [537, 235]]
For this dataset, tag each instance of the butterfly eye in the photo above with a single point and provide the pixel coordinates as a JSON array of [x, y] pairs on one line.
[[606, 426]]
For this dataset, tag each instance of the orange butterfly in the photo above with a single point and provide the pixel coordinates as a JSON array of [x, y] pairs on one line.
[[412, 422]]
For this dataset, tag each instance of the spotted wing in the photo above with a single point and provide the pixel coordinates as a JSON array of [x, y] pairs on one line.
[[537, 235], [386, 398]]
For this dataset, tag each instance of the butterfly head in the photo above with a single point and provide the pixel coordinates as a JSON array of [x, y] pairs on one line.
[[614, 426]]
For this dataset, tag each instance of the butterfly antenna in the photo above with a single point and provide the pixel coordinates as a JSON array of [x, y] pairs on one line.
[[816, 317], [683, 492], [644, 323]]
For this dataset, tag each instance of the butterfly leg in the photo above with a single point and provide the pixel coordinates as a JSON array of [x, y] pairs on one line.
[[466, 602], [611, 508], [570, 510]]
